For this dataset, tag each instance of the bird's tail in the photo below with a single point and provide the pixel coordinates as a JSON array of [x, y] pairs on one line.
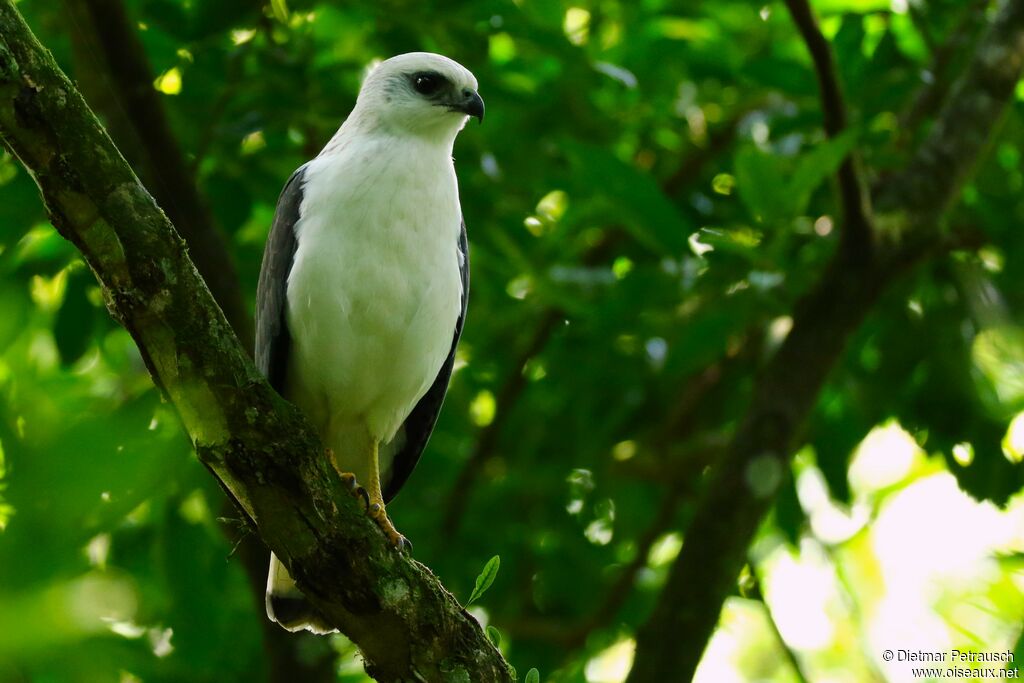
[[288, 606]]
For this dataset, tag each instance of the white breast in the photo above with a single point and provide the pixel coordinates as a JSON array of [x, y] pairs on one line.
[[375, 289]]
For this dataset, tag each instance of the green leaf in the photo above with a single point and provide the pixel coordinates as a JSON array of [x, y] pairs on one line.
[[759, 179], [21, 207], [629, 195], [74, 325], [494, 635], [817, 165], [532, 676], [486, 578], [16, 311], [280, 9], [774, 188]]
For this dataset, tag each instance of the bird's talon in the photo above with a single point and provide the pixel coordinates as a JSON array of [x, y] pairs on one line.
[[397, 540], [378, 514], [360, 492], [348, 480], [403, 545]]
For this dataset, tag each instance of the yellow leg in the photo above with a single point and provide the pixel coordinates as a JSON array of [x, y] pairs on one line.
[[373, 496], [376, 497], [376, 503], [347, 478]]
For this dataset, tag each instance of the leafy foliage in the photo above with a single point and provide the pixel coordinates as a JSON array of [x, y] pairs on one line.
[[649, 196]]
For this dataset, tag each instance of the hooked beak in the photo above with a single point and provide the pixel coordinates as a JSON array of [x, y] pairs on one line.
[[471, 104]]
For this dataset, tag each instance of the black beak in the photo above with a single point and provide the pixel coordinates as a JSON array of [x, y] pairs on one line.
[[472, 104]]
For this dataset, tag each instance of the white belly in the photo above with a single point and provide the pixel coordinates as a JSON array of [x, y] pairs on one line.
[[374, 292]]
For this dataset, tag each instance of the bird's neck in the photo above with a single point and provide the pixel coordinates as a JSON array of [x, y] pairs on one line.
[[365, 124]]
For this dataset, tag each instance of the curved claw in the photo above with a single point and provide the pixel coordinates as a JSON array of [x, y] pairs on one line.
[[348, 480], [374, 506], [398, 541], [403, 545]]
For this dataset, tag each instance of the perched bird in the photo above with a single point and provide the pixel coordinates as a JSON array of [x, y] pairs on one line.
[[362, 292]]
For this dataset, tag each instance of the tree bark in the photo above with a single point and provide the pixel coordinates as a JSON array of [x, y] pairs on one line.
[[259, 447], [114, 74], [909, 207]]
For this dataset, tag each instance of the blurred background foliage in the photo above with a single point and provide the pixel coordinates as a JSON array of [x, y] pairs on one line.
[[649, 195]]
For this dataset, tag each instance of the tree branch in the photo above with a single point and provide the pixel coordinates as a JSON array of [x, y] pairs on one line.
[[932, 94], [743, 484], [104, 39], [931, 182], [857, 237], [258, 446]]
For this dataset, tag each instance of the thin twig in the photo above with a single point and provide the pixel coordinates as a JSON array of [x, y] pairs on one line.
[[235, 72], [857, 237]]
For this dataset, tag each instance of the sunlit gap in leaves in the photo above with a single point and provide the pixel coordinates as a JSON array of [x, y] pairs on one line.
[[612, 664], [929, 572], [1013, 442], [577, 25]]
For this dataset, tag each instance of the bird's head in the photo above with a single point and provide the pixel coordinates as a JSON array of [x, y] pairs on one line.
[[420, 93]]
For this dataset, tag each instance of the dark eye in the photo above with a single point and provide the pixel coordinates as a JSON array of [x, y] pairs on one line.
[[427, 84]]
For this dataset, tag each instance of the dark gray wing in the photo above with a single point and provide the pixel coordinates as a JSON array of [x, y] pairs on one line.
[[420, 423], [273, 342]]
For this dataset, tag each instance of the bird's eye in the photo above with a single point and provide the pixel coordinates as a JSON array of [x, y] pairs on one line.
[[427, 84]]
